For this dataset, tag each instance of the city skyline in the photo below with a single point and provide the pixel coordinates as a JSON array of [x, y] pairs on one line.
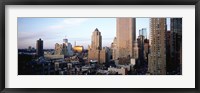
[[79, 30], [137, 46]]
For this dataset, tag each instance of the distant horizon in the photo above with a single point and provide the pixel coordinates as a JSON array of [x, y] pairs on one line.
[[79, 30]]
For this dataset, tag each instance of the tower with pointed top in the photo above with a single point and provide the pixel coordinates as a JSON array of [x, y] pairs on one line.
[[96, 40], [96, 46], [114, 49]]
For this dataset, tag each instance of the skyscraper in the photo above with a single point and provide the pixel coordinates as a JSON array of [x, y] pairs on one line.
[[96, 40], [68, 47], [126, 36], [157, 56], [142, 36], [59, 49], [39, 46], [114, 48], [176, 41], [64, 49], [96, 46]]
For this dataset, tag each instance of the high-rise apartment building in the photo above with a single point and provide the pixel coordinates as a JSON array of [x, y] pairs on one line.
[[157, 56], [39, 48], [126, 35]]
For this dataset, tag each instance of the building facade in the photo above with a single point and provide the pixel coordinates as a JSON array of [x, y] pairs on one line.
[[60, 49], [114, 49], [68, 45], [157, 56], [168, 52], [176, 42], [96, 46], [146, 49], [64, 49], [39, 48], [126, 36], [136, 50], [96, 40], [143, 44]]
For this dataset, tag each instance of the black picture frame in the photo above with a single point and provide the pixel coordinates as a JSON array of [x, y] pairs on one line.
[[3, 3]]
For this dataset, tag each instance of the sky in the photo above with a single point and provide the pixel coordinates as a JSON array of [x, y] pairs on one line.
[[79, 30]]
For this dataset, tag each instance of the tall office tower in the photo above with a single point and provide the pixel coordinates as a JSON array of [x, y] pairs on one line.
[[39, 46], [176, 41], [96, 40], [114, 48], [157, 60], [65, 47], [68, 49], [142, 36], [96, 46], [126, 35]]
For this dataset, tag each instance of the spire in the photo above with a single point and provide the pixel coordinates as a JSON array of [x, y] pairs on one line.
[[96, 29]]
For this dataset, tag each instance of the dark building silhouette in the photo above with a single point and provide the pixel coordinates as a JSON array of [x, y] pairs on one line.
[[175, 42], [146, 49], [142, 36], [168, 53], [39, 48]]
